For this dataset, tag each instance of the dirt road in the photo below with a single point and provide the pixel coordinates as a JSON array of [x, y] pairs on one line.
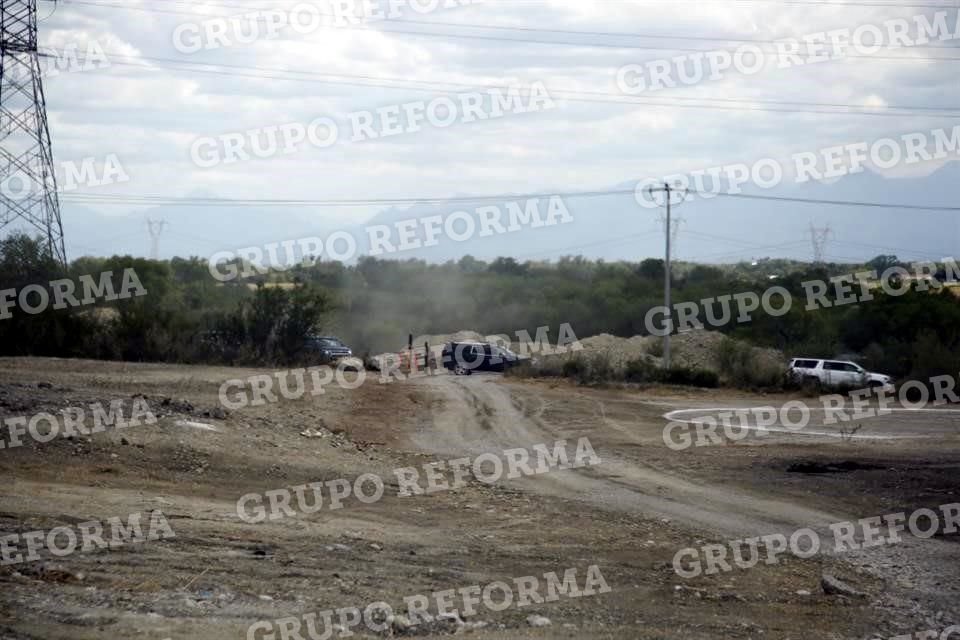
[[483, 414], [628, 515]]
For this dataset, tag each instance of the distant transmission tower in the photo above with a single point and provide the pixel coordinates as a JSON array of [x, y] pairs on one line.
[[28, 184], [155, 228], [819, 237]]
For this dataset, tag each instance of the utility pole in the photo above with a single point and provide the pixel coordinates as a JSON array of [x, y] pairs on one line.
[[28, 183], [675, 223], [669, 191]]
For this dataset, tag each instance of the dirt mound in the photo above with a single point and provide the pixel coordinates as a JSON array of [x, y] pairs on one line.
[[618, 351], [698, 349]]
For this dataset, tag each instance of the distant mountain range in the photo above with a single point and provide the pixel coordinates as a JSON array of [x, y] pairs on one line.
[[612, 227]]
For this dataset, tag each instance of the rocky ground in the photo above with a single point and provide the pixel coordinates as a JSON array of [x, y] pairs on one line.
[[628, 516]]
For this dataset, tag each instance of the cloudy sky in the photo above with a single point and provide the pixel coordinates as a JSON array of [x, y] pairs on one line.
[[155, 99]]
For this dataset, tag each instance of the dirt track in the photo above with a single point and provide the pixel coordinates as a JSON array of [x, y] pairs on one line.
[[628, 515]]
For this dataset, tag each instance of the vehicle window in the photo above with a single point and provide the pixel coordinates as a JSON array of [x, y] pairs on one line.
[[851, 367], [833, 366]]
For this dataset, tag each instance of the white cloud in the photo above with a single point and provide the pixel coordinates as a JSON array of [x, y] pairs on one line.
[[150, 116]]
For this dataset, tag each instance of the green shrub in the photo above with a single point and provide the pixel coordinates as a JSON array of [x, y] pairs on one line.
[[573, 368], [640, 370], [690, 377], [589, 368], [746, 367]]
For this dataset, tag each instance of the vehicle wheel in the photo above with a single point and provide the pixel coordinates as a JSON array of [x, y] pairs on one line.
[[812, 382], [461, 370]]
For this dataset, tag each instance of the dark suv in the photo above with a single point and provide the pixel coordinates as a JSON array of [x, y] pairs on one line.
[[327, 347], [463, 358]]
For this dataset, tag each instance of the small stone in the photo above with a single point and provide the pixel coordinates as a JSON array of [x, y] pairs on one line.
[[535, 620], [452, 617], [266, 598], [802, 592], [375, 546], [399, 622]]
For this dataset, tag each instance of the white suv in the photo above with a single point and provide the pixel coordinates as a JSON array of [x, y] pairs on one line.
[[836, 373]]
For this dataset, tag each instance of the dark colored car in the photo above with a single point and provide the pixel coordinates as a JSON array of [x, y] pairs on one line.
[[463, 358], [328, 348]]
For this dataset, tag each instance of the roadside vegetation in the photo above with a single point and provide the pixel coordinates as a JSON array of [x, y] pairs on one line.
[[188, 316]]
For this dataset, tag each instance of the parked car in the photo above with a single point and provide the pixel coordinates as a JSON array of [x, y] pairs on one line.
[[463, 358], [836, 373], [328, 348]]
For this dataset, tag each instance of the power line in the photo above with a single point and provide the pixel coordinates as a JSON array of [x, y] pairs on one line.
[[611, 98], [611, 242], [603, 45], [888, 248], [839, 3], [895, 5], [710, 236], [848, 203], [227, 202], [440, 23], [741, 252]]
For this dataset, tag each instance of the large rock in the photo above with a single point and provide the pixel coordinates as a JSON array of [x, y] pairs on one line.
[[835, 587]]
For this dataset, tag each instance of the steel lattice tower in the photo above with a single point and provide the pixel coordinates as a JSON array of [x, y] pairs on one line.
[[28, 184], [819, 237]]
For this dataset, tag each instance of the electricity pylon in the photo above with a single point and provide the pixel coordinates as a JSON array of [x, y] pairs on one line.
[[155, 228], [819, 237], [28, 183]]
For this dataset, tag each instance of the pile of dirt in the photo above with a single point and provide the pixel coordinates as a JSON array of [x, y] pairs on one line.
[[618, 351], [697, 349]]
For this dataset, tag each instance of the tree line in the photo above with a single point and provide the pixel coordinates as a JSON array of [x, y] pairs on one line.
[[188, 316]]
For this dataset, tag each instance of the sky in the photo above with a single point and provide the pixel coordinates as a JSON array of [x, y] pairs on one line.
[[156, 100]]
